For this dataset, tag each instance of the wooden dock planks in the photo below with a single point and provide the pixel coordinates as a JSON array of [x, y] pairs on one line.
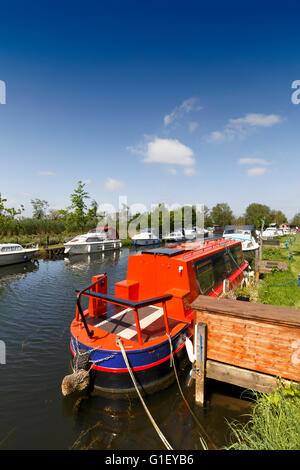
[[256, 337]]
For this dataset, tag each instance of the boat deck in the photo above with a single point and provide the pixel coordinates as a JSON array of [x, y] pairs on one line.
[[121, 322]]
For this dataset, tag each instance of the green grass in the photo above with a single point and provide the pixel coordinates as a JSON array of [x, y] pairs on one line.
[[281, 287], [273, 425]]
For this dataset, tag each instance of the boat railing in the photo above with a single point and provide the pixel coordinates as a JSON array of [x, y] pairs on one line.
[[134, 305]]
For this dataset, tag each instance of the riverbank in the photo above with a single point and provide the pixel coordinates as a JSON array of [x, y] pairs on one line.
[[282, 287], [274, 423], [277, 287]]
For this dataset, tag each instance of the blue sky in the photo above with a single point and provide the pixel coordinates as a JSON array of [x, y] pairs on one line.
[[159, 101]]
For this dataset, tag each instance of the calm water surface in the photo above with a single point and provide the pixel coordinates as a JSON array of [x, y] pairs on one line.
[[37, 305]]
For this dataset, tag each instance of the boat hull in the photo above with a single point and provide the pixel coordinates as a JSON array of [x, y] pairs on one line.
[[143, 242], [7, 259], [151, 367]]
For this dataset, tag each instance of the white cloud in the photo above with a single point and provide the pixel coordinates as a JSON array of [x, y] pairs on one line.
[[46, 173], [257, 171], [112, 184], [168, 151], [261, 120], [253, 161], [241, 126], [191, 104]]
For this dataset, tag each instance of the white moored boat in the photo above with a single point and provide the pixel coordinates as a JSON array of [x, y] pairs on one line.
[[95, 241], [12, 253], [245, 234], [176, 236], [190, 233], [270, 232], [146, 237]]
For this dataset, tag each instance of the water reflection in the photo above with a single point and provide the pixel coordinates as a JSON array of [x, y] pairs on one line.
[[111, 424], [80, 261], [17, 271], [104, 423]]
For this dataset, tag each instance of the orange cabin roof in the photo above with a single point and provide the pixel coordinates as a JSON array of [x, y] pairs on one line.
[[168, 270]]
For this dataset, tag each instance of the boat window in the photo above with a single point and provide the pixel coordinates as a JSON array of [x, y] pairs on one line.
[[94, 239], [205, 276], [6, 249], [220, 272], [227, 263], [236, 252]]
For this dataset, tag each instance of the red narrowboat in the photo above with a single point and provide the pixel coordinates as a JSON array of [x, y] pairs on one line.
[[150, 313]]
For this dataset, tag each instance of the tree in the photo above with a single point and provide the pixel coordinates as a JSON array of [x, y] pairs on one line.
[[222, 215], [208, 222], [296, 220], [256, 213], [278, 217], [92, 212], [78, 216], [8, 214], [39, 208]]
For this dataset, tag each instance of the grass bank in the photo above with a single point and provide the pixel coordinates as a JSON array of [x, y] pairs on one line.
[[282, 287], [274, 423]]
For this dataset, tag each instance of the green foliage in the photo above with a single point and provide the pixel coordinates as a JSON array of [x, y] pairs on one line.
[[274, 423], [255, 213], [79, 215], [8, 214], [242, 291], [278, 217], [39, 208], [296, 220], [281, 287], [222, 215]]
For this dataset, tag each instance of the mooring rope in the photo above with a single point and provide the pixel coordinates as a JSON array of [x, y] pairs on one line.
[[162, 437], [203, 443], [278, 285]]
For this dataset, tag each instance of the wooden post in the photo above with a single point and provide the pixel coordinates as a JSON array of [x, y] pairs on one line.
[[200, 351]]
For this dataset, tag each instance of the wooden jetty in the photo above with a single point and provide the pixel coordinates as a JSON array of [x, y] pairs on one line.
[[246, 344], [52, 251], [263, 267], [271, 242]]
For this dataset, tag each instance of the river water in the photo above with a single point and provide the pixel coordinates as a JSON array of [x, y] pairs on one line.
[[37, 305]]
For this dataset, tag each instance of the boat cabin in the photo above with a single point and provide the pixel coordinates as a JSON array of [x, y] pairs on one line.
[[183, 271], [178, 273]]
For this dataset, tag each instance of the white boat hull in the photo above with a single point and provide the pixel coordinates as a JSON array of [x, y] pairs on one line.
[[94, 247], [248, 246], [17, 257], [177, 239]]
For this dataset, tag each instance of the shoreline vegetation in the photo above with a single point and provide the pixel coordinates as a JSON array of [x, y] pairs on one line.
[[49, 227]]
